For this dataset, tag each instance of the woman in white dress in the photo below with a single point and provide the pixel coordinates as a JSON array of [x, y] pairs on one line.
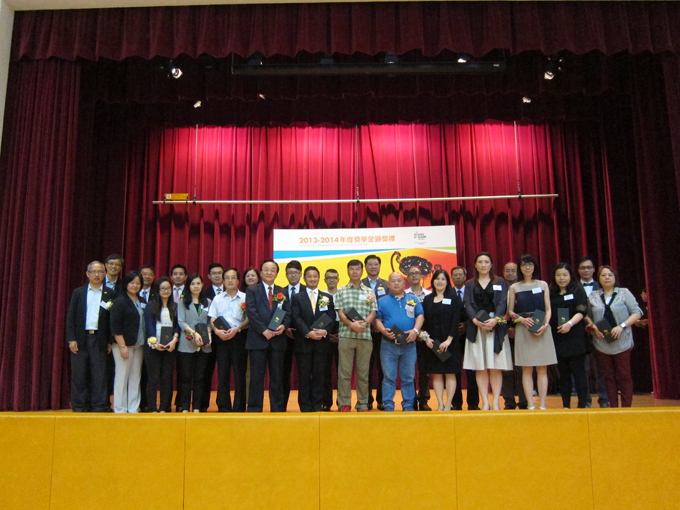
[[487, 348]]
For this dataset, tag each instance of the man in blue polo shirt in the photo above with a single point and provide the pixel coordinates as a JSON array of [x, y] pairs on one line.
[[404, 311]]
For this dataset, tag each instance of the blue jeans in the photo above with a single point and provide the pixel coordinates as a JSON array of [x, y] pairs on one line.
[[403, 357]]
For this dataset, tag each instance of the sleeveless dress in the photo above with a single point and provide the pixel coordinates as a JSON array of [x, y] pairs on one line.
[[532, 350]]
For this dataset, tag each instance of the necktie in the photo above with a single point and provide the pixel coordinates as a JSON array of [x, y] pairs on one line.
[[292, 292], [176, 294], [270, 295], [313, 300], [146, 294], [219, 291], [460, 294], [591, 284]]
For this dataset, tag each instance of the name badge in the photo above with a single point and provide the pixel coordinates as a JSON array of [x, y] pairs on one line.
[[381, 292], [362, 297], [568, 297], [104, 304], [537, 291], [142, 305], [323, 308], [446, 301], [497, 287]]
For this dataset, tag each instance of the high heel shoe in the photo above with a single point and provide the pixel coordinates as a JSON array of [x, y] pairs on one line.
[[531, 408], [543, 408]]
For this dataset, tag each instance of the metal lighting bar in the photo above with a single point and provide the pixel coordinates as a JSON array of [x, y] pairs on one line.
[[368, 68], [352, 201]]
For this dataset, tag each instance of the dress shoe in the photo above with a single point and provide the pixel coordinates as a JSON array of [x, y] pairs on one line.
[[381, 407], [363, 410], [345, 409], [473, 408], [424, 407], [178, 409], [325, 409], [604, 405], [456, 408]]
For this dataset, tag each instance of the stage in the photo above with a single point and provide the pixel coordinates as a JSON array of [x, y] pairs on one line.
[[571, 459]]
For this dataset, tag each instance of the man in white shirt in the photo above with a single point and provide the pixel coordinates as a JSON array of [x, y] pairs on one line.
[[87, 334], [230, 346], [415, 279]]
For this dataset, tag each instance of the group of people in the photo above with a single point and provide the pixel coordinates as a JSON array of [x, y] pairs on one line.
[[498, 329]]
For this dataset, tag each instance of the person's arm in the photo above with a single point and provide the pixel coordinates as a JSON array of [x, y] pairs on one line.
[[71, 322], [380, 328], [632, 308], [256, 322], [413, 333]]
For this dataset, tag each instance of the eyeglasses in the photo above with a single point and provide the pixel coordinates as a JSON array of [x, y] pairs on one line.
[[97, 271], [414, 274], [231, 277], [114, 264], [587, 268], [165, 289], [332, 277]]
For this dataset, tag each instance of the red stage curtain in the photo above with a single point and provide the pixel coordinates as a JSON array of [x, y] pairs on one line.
[[658, 175], [37, 216], [401, 161], [471, 27]]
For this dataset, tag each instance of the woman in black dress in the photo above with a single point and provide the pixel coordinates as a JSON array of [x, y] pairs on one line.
[[569, 303], [442, 315]]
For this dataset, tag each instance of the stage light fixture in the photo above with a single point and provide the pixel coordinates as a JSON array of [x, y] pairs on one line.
[[464, 58], [261, 96], [552, 67], [175, 72], [526, 99], [197, 104]]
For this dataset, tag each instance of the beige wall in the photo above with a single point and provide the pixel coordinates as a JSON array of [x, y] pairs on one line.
[[6, 23]]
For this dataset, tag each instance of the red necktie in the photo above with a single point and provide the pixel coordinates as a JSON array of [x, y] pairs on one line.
[[270, 295]]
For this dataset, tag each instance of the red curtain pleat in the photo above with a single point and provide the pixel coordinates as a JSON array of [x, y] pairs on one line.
[[37, 217], [371, 28]]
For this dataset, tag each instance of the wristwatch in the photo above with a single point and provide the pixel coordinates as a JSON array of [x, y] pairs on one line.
[[623, 325]]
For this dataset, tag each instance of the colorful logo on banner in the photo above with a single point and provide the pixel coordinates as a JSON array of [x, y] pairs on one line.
[[400, 249]]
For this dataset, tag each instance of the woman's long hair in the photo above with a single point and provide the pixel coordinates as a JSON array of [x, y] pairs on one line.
[[156, 304]]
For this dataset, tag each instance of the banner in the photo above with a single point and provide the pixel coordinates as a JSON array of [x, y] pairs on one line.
[[401, 248]]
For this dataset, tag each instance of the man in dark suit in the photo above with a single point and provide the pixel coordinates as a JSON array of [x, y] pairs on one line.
[[379, 286], [266, 347], [148, 274], [114, 281], [586, 270], [216, 287], [87, 334], [293, 275], [458, 277], [311, 345]]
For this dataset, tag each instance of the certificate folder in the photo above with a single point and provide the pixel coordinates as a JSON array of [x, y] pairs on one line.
[[322, 322], [539, 320], [277, 319]]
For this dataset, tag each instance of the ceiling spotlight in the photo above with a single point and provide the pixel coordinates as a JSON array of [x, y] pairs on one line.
[[526, 99], [552, 67], [463, 58], [175, 72], [197, 104], [327, 60], [261, 96]]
